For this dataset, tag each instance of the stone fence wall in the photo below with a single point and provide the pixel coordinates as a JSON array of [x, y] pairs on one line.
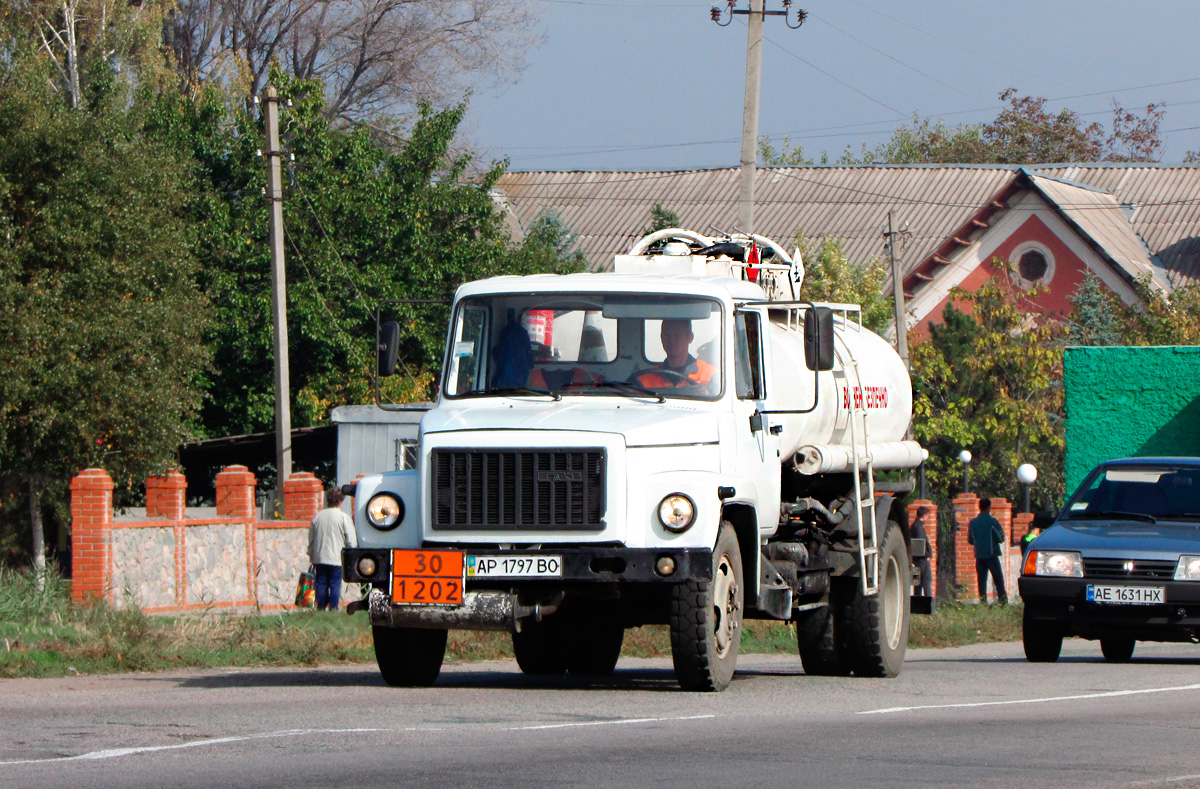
[[173, 560]]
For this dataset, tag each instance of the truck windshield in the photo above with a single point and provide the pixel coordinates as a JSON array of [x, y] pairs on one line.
[[1138, 493], [565, 344]]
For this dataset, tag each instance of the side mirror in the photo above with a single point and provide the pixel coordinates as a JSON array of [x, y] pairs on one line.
[[818, 338], [388, 348]]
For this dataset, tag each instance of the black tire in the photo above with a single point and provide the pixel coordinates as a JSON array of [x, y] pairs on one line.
[[876, 626], [539, 648], [1042, 640], [706, 620], [1117, 649], [816, 637], [593, 648], [409, 656]]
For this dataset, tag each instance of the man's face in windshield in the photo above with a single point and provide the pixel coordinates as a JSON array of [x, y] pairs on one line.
[[676, 336]]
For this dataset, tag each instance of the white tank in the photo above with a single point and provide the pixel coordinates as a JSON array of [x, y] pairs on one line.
[[868, 375], [821, 440]]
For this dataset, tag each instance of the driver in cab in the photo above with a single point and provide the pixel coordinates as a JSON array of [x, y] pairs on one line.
[[680, 368]]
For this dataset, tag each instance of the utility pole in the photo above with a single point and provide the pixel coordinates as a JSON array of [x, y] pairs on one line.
[[898, 290], [283, 414], [756, 14]]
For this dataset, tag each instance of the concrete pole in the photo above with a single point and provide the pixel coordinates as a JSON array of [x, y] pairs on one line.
[[283, 414], [745, 219], [898, 296]]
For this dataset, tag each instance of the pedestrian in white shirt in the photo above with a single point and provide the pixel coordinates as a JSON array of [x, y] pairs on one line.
[[330, 532]]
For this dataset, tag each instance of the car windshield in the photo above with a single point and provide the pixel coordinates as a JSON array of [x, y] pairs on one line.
[[587, 344], [1141, 493]]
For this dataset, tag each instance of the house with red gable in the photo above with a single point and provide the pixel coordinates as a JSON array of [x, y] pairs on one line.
[[1123, 222]]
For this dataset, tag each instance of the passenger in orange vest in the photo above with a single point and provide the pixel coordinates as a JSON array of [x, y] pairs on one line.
[[680, 368]]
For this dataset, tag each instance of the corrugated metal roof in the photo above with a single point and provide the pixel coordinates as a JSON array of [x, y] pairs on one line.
[[609, 210], [1100, 217]]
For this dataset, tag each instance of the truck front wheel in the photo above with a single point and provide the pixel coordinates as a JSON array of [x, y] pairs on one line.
[[593, 647], [706, 620], [539, 648], [409, 656], [877, 625]]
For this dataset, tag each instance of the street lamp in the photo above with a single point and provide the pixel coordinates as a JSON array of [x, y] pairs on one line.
[[965, 457], [1026, 475]]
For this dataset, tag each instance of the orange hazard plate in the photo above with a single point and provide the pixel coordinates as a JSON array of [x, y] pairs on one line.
[[427, 577]]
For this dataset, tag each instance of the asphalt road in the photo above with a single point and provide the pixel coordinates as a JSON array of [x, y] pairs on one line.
[[971, 716]]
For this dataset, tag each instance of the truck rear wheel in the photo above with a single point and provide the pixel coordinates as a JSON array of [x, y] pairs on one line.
[[877, 625], [706, 620], [816, 636], [593, 647], [409, 656], [540, 649]]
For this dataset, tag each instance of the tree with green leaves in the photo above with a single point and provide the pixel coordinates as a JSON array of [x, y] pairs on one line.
[[1023, 132], [102, 342], [366, 225], [830, 276], [990, 381]]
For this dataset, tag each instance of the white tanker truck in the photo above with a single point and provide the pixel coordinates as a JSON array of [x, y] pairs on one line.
[[682, 441]]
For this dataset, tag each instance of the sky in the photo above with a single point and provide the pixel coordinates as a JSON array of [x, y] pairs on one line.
[[656, 85]]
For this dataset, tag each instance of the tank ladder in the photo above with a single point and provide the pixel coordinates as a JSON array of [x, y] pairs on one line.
[[868, 538]]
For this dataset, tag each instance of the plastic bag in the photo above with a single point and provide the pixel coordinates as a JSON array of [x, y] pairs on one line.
[[306, 590]]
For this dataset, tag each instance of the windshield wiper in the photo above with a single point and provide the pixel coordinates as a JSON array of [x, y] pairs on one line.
[[624, 387], [517, 390], [1134, 516]]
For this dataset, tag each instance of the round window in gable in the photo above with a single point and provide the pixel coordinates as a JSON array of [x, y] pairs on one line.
[[1034, 265]]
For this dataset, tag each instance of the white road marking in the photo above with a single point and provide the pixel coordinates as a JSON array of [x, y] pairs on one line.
[[607, 723], [1044, 700], [113, 753], [1173, 780]]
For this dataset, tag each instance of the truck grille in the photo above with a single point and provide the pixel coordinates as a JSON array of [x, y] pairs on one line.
[[1114, 570], [518, 489]]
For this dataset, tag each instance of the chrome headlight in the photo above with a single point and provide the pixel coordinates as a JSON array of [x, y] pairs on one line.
[[385, 511], [1066, 564], [676, 512], [1188, 568]]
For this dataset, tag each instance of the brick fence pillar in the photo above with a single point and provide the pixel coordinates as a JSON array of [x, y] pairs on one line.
[[931, 532], [302, 496], [235, 492], [165, 496], [91, 515], [966, 507]]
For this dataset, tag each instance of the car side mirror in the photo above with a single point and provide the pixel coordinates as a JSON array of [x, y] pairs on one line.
[[818, 338]]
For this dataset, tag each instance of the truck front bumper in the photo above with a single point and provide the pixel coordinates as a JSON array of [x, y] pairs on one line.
[[503, 603], [579, 565]]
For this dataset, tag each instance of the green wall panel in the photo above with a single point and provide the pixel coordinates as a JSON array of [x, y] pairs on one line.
[[1129, 402]]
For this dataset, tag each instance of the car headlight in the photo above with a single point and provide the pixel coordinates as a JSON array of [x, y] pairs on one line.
[[385, 511], [1066, 564], [676, 512], [1188, 568]]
